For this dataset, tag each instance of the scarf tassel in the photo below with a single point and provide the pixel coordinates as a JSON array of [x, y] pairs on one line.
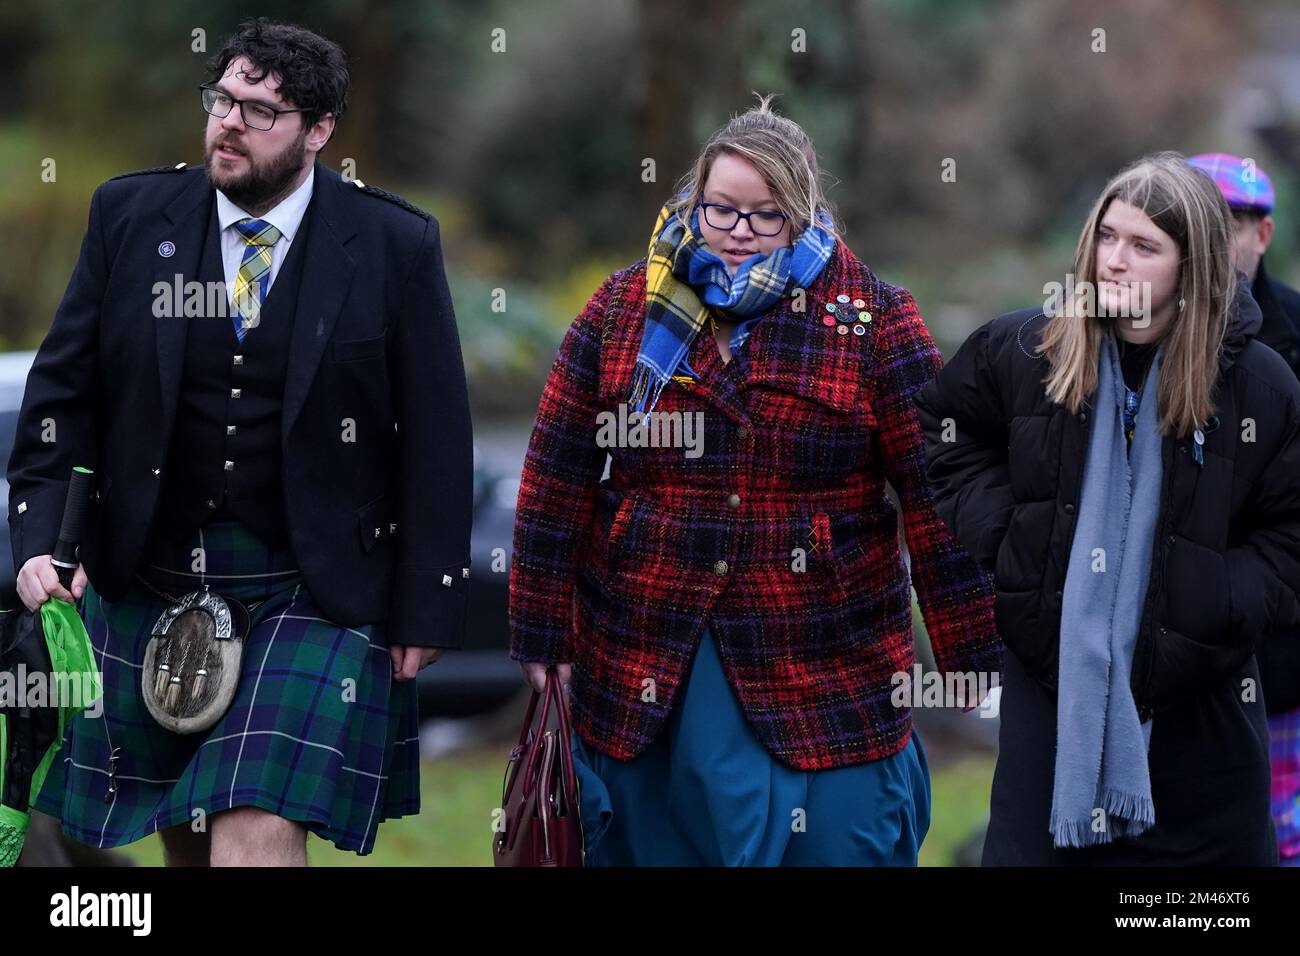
[[1127, 815], [645, 389]]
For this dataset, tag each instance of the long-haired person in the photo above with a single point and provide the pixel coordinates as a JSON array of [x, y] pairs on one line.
[[731, 604], [1126, 463]]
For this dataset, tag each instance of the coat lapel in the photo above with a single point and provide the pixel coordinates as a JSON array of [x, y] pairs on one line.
[[186, 221], [793, 350], [326, 279]]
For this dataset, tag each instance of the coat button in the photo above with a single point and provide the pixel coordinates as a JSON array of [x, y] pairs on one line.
[[212, 504], [742, 432], [230, 429], [733, 500], [1083, 418], [238, 359], [230, 466], [1172, 539], [1059, 594], [234, 393], [1164, 631], [720, 568], [1069, 509]]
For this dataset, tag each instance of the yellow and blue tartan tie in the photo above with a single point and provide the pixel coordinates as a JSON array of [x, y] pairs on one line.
[[254, 276]]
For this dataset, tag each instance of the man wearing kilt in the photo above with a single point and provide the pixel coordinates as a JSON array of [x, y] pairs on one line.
[[303, 450]]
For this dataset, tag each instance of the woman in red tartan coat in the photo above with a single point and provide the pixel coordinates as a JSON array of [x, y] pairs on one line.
[[731, 603]]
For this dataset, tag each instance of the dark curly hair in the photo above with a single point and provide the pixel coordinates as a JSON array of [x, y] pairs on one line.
[[312, 70]]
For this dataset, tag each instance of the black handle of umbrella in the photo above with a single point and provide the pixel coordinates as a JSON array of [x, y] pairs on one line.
[[64, 557]]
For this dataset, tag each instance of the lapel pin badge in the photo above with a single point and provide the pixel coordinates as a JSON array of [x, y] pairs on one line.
[[167, 249], [846, 320]]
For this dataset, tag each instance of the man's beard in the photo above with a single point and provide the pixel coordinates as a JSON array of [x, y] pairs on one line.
[[262, 185]]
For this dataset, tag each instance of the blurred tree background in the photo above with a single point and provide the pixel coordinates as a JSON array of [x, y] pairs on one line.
[[532, 156]]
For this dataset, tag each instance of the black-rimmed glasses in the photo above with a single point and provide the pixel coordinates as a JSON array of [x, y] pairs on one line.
[[257, 115], [764, 222]]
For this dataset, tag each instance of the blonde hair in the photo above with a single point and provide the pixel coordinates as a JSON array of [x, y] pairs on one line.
[[1187, 205], [783, 154]]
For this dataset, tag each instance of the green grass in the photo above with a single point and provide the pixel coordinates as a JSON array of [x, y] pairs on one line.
[[959, 803], [458, 794]]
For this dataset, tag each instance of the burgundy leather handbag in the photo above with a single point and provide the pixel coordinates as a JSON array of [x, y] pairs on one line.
[[541, 820]]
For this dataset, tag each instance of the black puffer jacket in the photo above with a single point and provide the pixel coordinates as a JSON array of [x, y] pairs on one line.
[[1007, 467], [1227, 561]]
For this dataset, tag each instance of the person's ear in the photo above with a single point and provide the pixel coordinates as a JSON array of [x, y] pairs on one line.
[[1264, 234], [320, 133]]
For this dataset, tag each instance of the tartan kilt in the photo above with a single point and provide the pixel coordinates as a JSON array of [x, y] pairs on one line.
[[318, 731]]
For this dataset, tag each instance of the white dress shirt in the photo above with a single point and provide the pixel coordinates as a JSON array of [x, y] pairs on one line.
[[286, 216]]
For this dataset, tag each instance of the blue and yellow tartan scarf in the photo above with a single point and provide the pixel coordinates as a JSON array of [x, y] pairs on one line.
[[684, 280]]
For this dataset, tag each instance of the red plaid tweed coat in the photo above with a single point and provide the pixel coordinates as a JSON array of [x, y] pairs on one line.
[[778, 536]]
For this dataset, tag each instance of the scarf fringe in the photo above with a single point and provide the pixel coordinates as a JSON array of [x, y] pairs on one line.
[[645, 389], [1127, 814]]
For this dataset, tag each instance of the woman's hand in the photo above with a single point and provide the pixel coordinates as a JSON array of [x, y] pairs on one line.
[[535, 674]]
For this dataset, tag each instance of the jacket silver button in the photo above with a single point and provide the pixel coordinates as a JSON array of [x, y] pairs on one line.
[[446, 580], [720, 568], [1069, 509], [733, 500], [212, 503], [230, 429], [239, 360], [234, 393], [230, 466]]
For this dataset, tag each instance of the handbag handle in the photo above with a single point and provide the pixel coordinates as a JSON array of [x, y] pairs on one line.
[[551, 695], [566, 754], [535, 744]]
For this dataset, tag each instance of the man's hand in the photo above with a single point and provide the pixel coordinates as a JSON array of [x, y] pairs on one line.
[[408, 661], [38, 581]]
